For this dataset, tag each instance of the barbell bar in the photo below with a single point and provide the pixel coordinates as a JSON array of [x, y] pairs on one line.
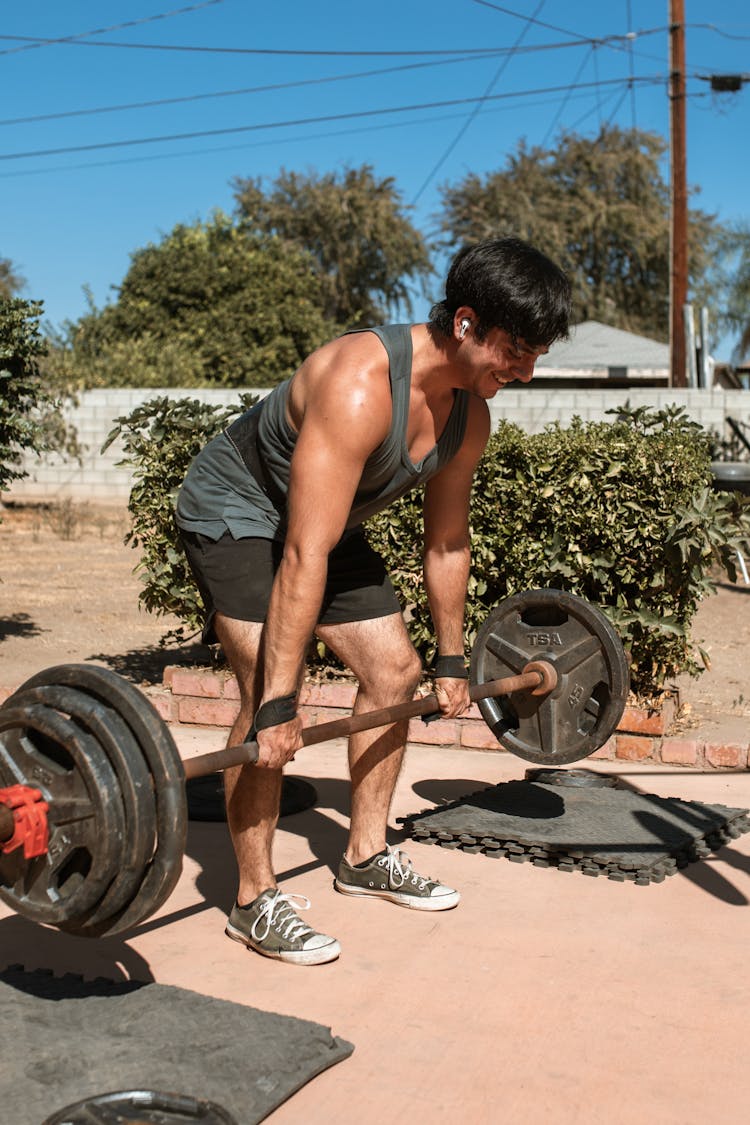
[[547, 670], [537, 678]]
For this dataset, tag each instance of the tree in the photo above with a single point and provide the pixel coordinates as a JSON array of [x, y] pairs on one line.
[[25, 405], [210, 305], [364, 248], [598, 206], [10, 281]]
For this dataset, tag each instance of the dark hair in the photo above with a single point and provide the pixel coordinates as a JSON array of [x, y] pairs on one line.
[[509, 285]]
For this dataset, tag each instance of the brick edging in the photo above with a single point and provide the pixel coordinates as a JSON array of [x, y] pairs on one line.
[[204, 697]]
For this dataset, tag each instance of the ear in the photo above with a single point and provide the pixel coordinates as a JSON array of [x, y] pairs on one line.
[[463, 318]]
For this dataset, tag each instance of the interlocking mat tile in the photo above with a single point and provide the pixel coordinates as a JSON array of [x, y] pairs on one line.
[[63, 1039], [598, 830]]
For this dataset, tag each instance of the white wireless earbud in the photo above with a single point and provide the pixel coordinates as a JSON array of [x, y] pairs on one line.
[[465, 325]]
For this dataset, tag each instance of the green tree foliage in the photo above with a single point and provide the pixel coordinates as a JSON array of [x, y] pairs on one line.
[[10, 281], [210, 305], [364, 248], [30, 419], [600, 208]]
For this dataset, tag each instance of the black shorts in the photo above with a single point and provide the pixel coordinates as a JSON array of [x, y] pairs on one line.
[[235, 577]]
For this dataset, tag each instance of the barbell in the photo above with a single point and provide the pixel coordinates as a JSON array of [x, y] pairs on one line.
[[93, 813]]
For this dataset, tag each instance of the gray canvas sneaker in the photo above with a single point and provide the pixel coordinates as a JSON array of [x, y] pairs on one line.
[[270, 925], [390, 875]]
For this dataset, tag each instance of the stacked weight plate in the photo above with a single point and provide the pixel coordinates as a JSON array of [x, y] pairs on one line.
[[111, 775]]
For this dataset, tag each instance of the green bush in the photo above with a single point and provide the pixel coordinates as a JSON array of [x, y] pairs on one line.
[[620, 513], [159, 440], [31, 419]]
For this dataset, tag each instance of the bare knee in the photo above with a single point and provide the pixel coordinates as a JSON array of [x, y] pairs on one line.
[[393, 679]]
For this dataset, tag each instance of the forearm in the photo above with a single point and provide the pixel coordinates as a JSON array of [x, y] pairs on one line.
[[446, 574], [292, 616]]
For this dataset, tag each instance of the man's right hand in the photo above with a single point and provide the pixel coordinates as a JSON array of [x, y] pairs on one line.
[[277, 745]]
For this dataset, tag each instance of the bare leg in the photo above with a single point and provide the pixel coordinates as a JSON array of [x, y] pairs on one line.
[[252, 795], [388, 669]]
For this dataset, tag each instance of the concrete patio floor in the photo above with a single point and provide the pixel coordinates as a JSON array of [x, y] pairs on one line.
[[545, 997]]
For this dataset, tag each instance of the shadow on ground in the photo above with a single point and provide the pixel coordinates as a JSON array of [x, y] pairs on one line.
[[146, 665], [19, 625]]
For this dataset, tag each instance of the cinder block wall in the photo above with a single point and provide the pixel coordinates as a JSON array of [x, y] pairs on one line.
[[98, 477]]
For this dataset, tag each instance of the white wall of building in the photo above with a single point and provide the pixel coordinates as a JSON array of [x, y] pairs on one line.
[[98, 477]]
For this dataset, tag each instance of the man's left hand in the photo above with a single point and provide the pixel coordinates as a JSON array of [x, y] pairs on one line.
[[452, 696]]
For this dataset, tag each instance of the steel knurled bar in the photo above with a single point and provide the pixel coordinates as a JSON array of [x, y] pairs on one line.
[[247, 752]]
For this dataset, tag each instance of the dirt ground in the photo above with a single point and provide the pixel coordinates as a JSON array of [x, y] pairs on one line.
[[68, 594]]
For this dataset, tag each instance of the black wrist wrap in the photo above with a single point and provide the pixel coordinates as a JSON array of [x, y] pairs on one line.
[[450, 668], [275, 711]]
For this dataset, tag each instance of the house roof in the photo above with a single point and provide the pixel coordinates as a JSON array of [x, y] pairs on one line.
[[597, 346]]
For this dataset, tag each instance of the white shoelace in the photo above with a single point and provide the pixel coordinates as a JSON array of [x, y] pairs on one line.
[[279, 912], [400, 869]]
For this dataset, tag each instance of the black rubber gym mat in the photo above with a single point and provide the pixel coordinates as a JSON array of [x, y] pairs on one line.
[[611, 831], [63, 1039]]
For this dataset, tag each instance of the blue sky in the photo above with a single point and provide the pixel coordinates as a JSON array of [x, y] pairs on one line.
[[317, 95]]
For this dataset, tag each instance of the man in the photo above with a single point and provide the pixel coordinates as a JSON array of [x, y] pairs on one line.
[[271, 513]]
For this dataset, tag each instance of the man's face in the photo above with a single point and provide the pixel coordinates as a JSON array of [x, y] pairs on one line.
[[498, 359]]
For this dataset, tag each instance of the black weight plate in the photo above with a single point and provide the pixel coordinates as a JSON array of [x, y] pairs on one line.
[[116, 741], [572, 779], [582, 712], [168, 781], [141, 1107], [42, 748]]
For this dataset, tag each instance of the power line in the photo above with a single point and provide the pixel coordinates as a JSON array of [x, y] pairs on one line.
[[713, 27], [309, 120], [630, 64], [263, 89], [568, 91], [308, 53], [541, 23], [235, 93], [287, 140], [31, 44], [477, 108]]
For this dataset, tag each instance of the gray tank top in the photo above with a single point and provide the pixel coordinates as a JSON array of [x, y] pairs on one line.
[[220, 492]]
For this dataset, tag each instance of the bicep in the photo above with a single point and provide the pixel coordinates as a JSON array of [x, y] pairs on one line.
[[334, 442]]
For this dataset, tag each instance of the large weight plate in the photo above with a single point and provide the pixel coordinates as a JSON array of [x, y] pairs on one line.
[[42, 748], [114, 739], [167, 780], [582, 712]]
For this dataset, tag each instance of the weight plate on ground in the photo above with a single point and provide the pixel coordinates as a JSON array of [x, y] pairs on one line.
[[42, 748], [141, 1107], [583, 710], [115, 739], [168, 782], [572, 779]]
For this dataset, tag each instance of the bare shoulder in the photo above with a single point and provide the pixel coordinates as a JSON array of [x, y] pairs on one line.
[[348, 377], [477, 425]]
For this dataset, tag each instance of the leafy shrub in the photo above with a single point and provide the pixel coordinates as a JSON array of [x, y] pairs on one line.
[[160, 439], [620, 513]]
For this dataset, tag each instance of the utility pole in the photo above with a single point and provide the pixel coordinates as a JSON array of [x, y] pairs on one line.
[[678, 184]]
